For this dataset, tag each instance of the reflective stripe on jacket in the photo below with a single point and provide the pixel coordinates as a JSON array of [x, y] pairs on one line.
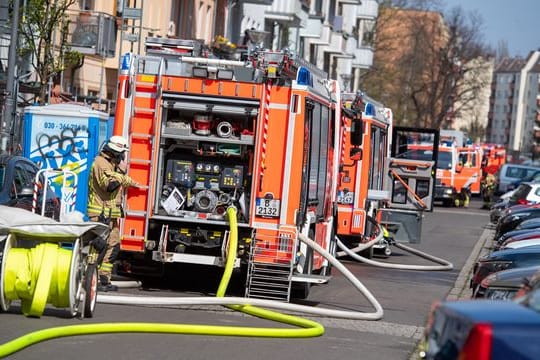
[[102, 173]]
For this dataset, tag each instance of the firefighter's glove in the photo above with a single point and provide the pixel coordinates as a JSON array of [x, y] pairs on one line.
[[113, 186]]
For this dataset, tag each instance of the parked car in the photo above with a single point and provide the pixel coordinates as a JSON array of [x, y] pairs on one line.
[[497, 210], [503, 260], [516, 235], [525, 194], [517, 244], [534, 178], [510, 221], [483, 330], [509, 173], [17, 176], [504, 285]]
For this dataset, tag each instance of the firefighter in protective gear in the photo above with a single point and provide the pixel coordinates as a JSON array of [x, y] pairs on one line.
[[488, 187], [107, 179], [463, 197]]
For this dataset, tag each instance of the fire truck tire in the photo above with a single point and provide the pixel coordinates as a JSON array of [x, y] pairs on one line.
[[368, 253], [301, 290], [90, 287], [447, 202]]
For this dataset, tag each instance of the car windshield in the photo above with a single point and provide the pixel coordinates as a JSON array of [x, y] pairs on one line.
[[2, 176], [444, 158]]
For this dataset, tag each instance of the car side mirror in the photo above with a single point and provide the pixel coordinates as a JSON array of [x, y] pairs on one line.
[[26, 192]]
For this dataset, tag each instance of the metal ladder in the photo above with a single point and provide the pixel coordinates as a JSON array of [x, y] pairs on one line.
[[268, 278], [142, 127]]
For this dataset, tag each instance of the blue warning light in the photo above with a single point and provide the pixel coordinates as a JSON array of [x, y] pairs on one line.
[[369, 109], [303, 76], [125, 61]]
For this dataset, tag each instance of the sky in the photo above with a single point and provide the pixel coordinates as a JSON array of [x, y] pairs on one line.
[[515, 21]]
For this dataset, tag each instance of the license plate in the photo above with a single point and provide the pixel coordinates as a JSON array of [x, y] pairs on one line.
[[345, 197], [267, 207]]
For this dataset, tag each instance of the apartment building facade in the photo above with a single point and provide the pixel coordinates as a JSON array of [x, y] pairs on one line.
[[336, 35], [474, 109], [513, 118]]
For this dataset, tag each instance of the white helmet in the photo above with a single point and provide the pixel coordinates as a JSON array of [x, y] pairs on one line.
[[118, 144]]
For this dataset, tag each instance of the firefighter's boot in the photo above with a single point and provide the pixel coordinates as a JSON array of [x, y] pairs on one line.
[[105, 284]]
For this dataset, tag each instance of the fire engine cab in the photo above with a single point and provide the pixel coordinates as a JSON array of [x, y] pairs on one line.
[[208, 134], [366, 128]]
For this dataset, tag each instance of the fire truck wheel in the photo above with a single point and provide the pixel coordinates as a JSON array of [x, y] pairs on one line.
[[368, 253], [90, 287], [447, 202], [301, 290]]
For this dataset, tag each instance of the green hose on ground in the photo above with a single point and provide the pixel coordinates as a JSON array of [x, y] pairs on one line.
[[307, 328]]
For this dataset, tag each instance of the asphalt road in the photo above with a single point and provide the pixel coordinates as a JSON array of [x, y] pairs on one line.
[[406, 297]]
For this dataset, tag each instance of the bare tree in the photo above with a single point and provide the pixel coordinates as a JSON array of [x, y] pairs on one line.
[[422, 60], [44, 32]]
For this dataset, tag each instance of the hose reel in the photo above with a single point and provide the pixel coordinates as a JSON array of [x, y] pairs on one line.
[[224, 129], [41, 275], [205, 201]]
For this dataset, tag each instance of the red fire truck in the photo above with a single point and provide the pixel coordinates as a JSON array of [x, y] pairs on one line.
[[260, 135]]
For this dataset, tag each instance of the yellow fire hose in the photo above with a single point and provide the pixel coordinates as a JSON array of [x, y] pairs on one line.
[[26, 267]]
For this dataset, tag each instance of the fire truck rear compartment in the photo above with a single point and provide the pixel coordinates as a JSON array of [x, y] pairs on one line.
[[205, 165]]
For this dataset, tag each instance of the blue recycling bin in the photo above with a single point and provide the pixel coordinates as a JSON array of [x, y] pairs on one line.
[[65, 136]]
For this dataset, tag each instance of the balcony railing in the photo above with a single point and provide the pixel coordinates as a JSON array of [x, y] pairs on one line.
[[368, 9], [290, 11], [93, 33], [363, 57], [313, 28]]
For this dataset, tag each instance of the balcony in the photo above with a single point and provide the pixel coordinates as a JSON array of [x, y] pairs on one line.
[[92, 33], [338, 44], [363, 57], [258, 2], [313, 28], [324, 39], [293, 13], [351, 2], [369, 9]]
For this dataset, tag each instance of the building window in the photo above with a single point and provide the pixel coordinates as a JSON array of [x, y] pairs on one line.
[[366, 32], [318, 7], [87, 5]]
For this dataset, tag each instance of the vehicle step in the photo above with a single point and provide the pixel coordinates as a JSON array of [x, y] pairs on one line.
[[262, 284], [312, 279]]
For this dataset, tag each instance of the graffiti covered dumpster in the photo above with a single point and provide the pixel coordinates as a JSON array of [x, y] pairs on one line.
[[68, 137]]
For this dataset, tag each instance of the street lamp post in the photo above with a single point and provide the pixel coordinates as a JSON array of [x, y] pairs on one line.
[[10, 96]]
